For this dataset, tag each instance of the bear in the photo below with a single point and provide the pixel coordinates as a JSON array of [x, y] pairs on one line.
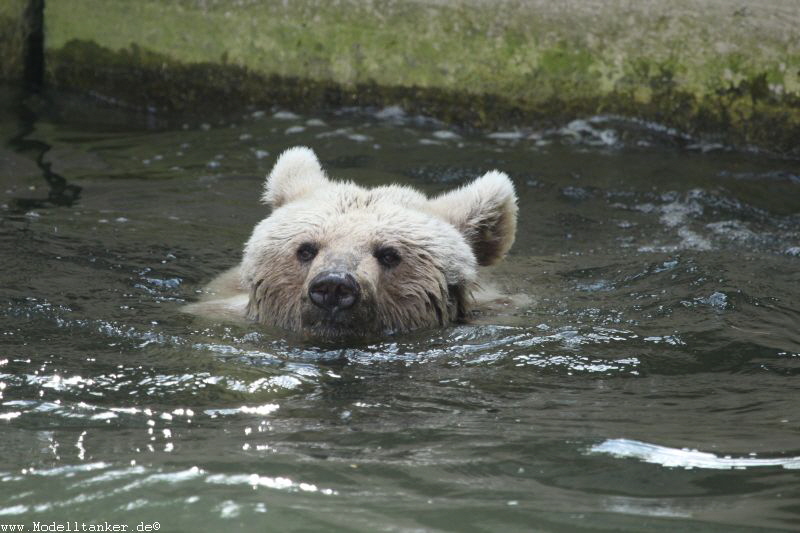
[[334, 259]]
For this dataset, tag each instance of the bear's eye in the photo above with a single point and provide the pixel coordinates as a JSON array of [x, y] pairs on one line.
[[387, 256], [306, 252]]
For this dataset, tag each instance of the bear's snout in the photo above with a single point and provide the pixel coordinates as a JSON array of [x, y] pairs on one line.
[[334, 291]]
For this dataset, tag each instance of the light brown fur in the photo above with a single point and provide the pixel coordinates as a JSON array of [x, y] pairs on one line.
[[439, 242]]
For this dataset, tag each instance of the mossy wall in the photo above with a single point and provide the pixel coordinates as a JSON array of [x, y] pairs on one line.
[[730, 70], [14, 29]]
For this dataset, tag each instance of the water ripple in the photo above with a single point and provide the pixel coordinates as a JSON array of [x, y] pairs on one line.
[[686, 458]]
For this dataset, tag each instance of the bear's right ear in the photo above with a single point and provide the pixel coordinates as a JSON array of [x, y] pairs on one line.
[[296, 173]]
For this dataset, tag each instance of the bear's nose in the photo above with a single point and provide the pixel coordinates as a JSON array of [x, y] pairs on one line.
[[333, 291]]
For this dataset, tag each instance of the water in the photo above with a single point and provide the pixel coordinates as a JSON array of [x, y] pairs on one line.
[[650, 384]]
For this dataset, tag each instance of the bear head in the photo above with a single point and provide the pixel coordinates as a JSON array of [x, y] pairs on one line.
[[335, 259]]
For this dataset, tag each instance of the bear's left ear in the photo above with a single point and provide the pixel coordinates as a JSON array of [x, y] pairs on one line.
[[296, 173], [485, 212]]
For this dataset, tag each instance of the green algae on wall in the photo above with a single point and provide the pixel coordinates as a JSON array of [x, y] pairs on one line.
[[707, 67], [14, 28]]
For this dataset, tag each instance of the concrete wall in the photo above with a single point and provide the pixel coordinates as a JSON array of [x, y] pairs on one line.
[[726, 69], [14, 30]]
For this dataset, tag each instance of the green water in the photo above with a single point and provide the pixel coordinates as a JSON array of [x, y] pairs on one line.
[[650, 385]]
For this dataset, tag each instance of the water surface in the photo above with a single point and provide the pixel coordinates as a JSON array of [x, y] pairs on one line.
[[650, 384]]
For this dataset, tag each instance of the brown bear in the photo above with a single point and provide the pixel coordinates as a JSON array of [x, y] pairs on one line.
[[334, 259]]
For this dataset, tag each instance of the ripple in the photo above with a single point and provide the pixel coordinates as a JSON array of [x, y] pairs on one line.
[[261, 410], [256, 480], [686, 458], [579, 363]]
